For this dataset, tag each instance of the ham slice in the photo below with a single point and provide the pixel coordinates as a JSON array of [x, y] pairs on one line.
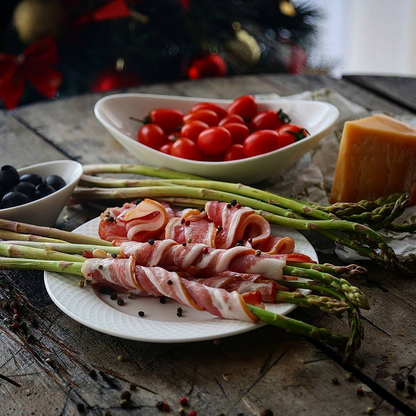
[[156, 281]]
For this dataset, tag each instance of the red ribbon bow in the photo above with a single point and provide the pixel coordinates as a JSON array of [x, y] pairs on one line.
[[34, 65]]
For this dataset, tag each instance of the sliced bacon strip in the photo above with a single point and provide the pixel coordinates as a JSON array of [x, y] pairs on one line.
[[276, 245], [236, 223], [194, 229], [205, 261], [241, 283], [156, 281]]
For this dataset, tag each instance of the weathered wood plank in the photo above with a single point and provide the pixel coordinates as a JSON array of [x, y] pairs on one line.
[[300, 375], [398, 90]]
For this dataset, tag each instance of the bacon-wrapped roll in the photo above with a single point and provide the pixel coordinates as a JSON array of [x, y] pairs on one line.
[[156, 281], [203, 260]]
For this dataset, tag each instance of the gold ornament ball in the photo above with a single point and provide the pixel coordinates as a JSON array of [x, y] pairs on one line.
[[35, 19]]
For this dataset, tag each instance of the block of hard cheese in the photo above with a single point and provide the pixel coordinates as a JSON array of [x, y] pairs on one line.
[[377, 158]]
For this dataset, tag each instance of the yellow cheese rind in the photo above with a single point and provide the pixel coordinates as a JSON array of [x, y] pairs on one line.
[[377, 158]]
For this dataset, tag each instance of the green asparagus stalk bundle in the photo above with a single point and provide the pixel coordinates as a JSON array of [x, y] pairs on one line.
[[280, 321], [277, 209]]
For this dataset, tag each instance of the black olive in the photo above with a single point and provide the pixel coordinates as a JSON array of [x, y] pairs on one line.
[[43, 190], [55, 181], [13, 199], [26, 188], [8, 176], [32, 178]]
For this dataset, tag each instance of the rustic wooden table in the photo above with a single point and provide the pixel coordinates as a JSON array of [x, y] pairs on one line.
[[245, 374]]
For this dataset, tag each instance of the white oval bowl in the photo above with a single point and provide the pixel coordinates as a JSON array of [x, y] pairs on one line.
[[46, 210], [113, 113]]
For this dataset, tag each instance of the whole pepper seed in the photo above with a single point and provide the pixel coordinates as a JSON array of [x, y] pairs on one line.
[[170, 282], [165, 407], [360, 391], [162, 300], [141, 314], [184, 244], [121, 358], [133, 386], [411, 390], [238, 206], [137, 201], [189, 240], [179, 314], [80, 407], [151, 241], [159, 405], [179, 310], [228, 206], [130, 295], [49, 361], [219, 228], [335, 381], [113, 296], [233, 202], [205, 250], [114, 255], [266, 412], [411, 379], [92, 373], [15, 325], [187, 223], [102, 290], [100, 267], [111, 219], [400, 385], [183, 221], [108, 413], [81, 283], [181, 411], [125, 395], [120, 302], [370, 410]]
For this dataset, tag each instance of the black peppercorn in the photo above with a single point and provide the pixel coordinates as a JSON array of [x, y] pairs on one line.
[[80, 407], [113, 296], [170, 282], [92, 373], [411, 390], [100, 267], [151, 241], [266, 412], [400, 385], [233, 202], [141, 314], [102, 290], [120, 302], [125, 395], [162, 300], [411, 379], [114, 255]]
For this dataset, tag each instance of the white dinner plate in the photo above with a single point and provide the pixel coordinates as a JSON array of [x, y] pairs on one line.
[[160, 323]]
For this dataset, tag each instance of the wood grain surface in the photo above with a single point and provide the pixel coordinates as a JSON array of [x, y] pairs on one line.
[[265, 369]]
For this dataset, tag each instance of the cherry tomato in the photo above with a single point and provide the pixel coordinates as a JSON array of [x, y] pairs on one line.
[[235, 152], [231, 118], [259, 142], [238, 132], [244, 106], [186, 149], [216, 108], [298, 132], [166, 148], [192, 129], [285, 139], [214, 140], [152, 136], [168, 119], [269, 120], [207, 116]]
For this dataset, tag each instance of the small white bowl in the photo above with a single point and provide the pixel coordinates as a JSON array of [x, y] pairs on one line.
[[45, 211], [114, 111]]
